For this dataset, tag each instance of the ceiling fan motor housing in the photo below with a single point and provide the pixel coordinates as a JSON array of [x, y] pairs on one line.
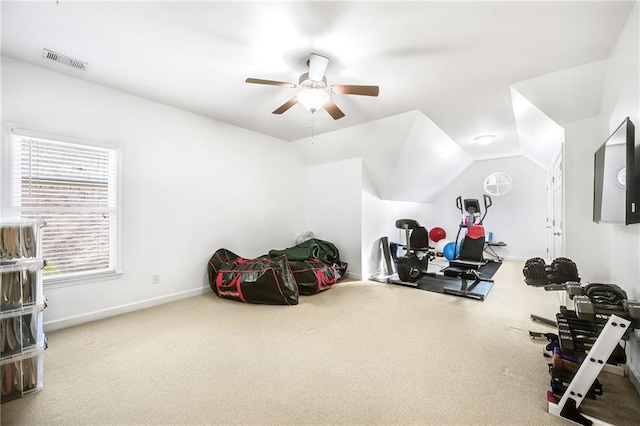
[[305, 82]]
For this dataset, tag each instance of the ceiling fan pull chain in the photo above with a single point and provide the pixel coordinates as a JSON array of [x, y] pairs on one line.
[[312, 140]]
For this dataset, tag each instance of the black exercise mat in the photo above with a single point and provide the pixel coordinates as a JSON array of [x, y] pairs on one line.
[[437, 282]]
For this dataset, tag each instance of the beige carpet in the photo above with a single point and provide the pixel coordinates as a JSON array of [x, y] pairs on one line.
[[360, 353]]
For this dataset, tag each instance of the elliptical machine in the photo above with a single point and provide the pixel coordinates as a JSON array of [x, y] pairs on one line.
[[467, 262], [472, 247]]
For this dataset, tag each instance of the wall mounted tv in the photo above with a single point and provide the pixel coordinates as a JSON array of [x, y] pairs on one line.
[[616, 188]]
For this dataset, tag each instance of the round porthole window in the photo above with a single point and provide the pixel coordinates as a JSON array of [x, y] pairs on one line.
[[622, 177], [497, 184]]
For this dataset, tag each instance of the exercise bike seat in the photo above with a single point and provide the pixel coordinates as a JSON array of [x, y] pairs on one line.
[[410, 224], [418, 238]]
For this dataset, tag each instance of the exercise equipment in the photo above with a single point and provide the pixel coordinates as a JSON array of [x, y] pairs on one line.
[[386, 254], [450, 250], [538, 274], [562, 373], [440, 245], [436, 234], [489, 248], [596, 302], [554, 277], [413, 269], [588, 338], [472, 284], [582, 382], [593, 302], [468, 258], [415, 261], [472, 219]]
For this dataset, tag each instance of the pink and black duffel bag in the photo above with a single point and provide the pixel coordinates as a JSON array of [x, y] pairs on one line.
[[262, 280]]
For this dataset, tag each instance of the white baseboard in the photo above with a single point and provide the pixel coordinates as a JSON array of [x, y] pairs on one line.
[[122, 309], [354, 276], [519, 258]]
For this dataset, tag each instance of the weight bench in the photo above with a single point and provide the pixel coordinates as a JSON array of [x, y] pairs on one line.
[[489, 249]]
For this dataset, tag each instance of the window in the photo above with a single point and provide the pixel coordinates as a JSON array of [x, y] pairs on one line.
[[497, 184], [621, 177], [72, 188]]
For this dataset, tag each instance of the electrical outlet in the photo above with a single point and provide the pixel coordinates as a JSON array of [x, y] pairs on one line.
[[155, 279]]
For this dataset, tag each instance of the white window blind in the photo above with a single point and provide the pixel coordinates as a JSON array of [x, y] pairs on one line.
[[72, 188]]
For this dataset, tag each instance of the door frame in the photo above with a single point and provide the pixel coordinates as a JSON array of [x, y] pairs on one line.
[[555, 206]]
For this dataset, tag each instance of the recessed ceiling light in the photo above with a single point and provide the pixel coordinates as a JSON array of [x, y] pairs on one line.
[[484, 139]]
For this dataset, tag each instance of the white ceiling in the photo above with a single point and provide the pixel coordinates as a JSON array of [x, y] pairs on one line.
[[453, 61]]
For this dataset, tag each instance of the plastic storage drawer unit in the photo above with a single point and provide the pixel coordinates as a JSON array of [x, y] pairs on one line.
[[21, 375]]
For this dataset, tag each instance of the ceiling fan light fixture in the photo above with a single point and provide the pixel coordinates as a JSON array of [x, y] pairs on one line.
[[313, 99]]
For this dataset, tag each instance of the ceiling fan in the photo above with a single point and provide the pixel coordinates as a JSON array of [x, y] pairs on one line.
[[315, 90]]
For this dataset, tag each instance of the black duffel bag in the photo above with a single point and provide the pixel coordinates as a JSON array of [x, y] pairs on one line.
[[262, 280]]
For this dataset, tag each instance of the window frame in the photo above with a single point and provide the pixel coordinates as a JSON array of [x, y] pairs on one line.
[[498, 185], [7, 210], [619, 182]]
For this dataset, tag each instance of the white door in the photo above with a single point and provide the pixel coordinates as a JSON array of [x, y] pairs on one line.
[[555, 220]]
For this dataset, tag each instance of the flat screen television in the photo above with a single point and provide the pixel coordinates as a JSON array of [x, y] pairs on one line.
[[616, 189]]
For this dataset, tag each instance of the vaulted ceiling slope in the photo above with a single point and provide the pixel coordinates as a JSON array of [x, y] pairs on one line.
[[407, 157], [453, 61]]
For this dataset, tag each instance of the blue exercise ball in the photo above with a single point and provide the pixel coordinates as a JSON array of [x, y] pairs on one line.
[[451, 250]]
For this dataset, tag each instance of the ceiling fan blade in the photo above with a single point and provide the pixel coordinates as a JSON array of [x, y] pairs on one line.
[[317, 66], [333, 110], [285, 106], [347, 89], [270, 82]]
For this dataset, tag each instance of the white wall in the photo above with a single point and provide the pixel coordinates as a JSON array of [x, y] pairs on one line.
[[621, 98], [191, 185], [606, 252], [378, 220], [585, 243], [518, 218], [333, 207]]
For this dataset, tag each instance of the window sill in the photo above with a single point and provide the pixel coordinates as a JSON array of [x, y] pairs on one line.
[[52, 283]]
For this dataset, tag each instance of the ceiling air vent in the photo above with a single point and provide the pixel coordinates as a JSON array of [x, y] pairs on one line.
[[74, 63]]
